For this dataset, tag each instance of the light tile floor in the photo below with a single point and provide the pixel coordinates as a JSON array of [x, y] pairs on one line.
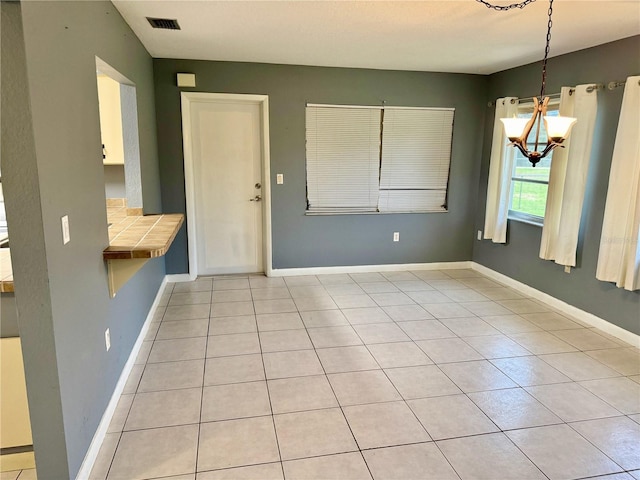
[[27, 474], [401, 375]]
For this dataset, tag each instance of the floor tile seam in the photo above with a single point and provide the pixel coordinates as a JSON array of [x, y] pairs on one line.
[[183, 338], [165, 390], [234, 467], [309, 457], [178, 320], [601, 398], [514, 445], [620, 414], [617, 347], [319, 409], [204, 373], [503, 430], [527, 386], [540, 357], [401, 444], [404, 400], [463, 340], [554, 333], [172, 425], [586, 352], [266, 385], [189, 304], [344, 416], [228, 289], [113, 456], [568, 424], [214, 317], [183, 359]]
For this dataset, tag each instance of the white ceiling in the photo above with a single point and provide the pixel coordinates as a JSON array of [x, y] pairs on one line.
[[441, 36]]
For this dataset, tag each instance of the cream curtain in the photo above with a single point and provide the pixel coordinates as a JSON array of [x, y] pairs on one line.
[[568, 178], [500, 168], [619, 258]]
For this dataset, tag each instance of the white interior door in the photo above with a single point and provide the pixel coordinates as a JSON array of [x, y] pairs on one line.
[[227, 176]]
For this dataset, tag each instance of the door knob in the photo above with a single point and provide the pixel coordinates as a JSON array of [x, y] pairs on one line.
[[257, 198]]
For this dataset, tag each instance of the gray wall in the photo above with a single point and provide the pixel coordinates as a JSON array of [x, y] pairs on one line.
[[52, 166], [519, 257], [114, 184], [8, 316], [306, 241]]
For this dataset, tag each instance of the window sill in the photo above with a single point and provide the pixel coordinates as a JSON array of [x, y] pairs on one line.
[[528, 219], [323, 214]]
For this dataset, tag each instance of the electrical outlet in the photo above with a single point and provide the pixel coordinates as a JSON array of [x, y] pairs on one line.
[[66, 236], [396, 236], [280, 178], [479, 234], [567, 269], [107, 339]]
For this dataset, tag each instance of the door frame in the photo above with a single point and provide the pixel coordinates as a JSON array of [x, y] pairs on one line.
[[187, 98]]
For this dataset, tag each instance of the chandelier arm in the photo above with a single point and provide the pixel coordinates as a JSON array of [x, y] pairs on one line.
[[537, 115], [527, 129], [519, 145], [542, 111], [548, 149]]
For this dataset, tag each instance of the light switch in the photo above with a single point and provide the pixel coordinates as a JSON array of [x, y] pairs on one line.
[[280, 178], [66, 236]]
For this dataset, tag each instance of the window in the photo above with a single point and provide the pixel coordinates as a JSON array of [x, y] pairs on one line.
[[374, 159], [529, 184]]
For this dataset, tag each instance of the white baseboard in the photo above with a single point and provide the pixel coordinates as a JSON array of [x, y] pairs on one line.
[[98, 437], [402, 267], [567, 309], [179, 277]]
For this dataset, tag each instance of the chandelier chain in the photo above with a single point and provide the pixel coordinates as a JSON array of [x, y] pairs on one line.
[[501, 8], [546, 51]]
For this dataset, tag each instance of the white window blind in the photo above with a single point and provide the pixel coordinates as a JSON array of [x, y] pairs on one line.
[[343, 158], [375, 159], [416, 152]]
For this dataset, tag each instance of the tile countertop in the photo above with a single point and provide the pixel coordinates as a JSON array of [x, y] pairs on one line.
[[6, 272], [147, 236]]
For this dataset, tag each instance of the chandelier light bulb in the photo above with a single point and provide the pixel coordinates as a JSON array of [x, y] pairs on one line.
[[558, 128], [514, 127]]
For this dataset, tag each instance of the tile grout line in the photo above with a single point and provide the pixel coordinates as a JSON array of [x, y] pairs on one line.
[[204, 373], [340, 406], [266, 383], [398, 325], [120, 434], [401, 396]]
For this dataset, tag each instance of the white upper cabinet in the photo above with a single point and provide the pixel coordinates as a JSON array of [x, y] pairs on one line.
[[110, 120]]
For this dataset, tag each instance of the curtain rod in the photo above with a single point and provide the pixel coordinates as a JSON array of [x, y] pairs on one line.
[[596, 86], [590, 88], [613, 85]]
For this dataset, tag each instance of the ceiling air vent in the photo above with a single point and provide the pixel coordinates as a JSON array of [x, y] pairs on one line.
[[166, 23]]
